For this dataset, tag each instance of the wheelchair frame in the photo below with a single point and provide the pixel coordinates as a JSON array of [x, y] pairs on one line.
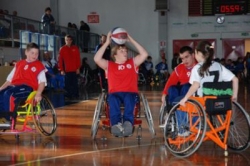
[[30, 116], [229, 130], [102, 114]]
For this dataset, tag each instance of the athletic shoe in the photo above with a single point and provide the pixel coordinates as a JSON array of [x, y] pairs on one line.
[[4, 122], [128, 128], [117, 130], [184, 134]]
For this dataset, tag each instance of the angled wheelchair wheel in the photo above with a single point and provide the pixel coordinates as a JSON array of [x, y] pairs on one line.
[[148, 116], [82, 82], [239, 130], [44, 116], [185, 128], [163, 113], [97, 115], [164, 110]]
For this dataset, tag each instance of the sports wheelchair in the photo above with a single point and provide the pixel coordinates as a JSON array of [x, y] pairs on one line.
[[215, 118], [30, 116], [101, 114]]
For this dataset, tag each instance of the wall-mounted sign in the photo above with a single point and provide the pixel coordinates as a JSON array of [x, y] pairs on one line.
[[93, 18]]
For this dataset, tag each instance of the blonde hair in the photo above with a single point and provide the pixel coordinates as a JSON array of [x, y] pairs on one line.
[[114, 50]]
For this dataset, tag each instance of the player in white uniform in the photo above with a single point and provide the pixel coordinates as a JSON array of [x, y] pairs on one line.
[[208, 70]]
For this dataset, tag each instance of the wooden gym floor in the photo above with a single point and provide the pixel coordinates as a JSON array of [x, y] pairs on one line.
[[72, 144]]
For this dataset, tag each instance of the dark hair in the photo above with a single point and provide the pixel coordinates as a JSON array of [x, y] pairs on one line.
[[248, 54], [103, 35], [69, 36], [84, 60], [47, 9], [69, 24], [32, 45], [205, 48], [176, 55], [186, 48]]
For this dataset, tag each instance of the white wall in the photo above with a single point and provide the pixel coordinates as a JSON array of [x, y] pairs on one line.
[[137, 17]]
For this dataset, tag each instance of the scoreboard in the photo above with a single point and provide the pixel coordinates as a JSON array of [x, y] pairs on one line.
[[213, 7]]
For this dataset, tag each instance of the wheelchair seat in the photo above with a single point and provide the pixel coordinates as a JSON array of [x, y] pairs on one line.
[[107, 122], [223, 102], [102, 115]]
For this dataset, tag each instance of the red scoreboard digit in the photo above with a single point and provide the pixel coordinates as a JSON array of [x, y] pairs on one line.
[[230, 7]]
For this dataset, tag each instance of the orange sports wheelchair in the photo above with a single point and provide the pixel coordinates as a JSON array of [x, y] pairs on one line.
[[29, 116], [101, 114], [212, 117]]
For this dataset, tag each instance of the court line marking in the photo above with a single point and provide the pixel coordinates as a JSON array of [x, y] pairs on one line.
[[81, 153]]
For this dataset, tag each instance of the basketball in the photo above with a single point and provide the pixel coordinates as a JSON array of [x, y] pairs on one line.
[[119, 36]]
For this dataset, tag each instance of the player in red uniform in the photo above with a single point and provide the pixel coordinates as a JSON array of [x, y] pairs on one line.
[[122, 83], [26, 76], [180, 75]]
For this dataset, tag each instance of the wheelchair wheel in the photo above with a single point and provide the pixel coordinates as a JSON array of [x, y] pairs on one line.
[[164, 110], [239, 130], [185, 128], [82, 82], [148, 116], [97, 115], [163, 113], [44, 116]]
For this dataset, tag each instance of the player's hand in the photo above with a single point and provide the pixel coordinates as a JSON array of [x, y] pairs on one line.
[[108, 41], [163, 98], [183, 101], [38, 97]]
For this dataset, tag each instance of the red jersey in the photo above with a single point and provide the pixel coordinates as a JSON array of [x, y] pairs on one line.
[[69, 58], [180, 74], [27, 73], [122, 77]]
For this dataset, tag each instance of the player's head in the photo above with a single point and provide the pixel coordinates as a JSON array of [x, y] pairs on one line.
[[32, 52], [204, 52], [119, 53], [187, 56]]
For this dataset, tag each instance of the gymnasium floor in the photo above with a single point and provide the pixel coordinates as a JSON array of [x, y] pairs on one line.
[[72, 144]]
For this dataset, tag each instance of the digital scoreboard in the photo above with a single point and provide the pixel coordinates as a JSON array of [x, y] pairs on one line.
[[230, 7], [213, 7]]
